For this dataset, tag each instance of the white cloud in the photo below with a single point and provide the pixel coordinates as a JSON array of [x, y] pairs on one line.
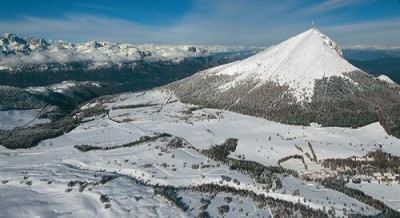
[[82, 28], [329, 5], [371, 33]]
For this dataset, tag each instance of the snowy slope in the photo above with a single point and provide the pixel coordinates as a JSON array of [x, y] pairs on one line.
[[386, 79], [296, 62], [134, 115]]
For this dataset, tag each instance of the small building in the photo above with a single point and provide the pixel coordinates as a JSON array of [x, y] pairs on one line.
[[387, 174], [376, 175], [380, 178]]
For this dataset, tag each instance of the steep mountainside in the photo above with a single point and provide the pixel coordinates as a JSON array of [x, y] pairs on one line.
[[300, 81]]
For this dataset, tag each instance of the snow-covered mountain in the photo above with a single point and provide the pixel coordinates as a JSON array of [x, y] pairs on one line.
[[302, 80], [296, 63]]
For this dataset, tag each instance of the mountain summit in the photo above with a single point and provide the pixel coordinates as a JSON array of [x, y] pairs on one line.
[[301, 81], [296, 62]]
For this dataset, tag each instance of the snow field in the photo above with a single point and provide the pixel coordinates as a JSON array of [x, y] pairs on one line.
[[259, 140]]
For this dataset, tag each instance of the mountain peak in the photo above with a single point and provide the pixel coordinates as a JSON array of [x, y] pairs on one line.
[[325, 40], [297, 63], [12, 38]]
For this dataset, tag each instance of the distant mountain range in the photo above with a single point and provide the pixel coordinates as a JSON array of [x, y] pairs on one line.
[[17, 53]]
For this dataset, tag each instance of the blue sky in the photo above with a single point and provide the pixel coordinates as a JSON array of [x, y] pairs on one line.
[[207, 22]]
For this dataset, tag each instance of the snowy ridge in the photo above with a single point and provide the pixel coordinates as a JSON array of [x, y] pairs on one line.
[[385, 78], [15, 51], [296, 63]]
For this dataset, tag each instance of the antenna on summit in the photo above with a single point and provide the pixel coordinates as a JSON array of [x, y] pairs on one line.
[[313, 25]]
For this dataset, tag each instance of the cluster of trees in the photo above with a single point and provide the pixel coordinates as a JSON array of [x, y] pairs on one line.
[[279, 208], [255, 170], [299, 148], [314, 158], [171, 194], [204, 202], [373, 161], [134, 106], [85, 148], [106, 200], [16, 98], [92, 111], [26, 137], [106, 178], [226, 178], [296, 156], [220, 152], [223, 209], [82, 184], [176, 142]]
